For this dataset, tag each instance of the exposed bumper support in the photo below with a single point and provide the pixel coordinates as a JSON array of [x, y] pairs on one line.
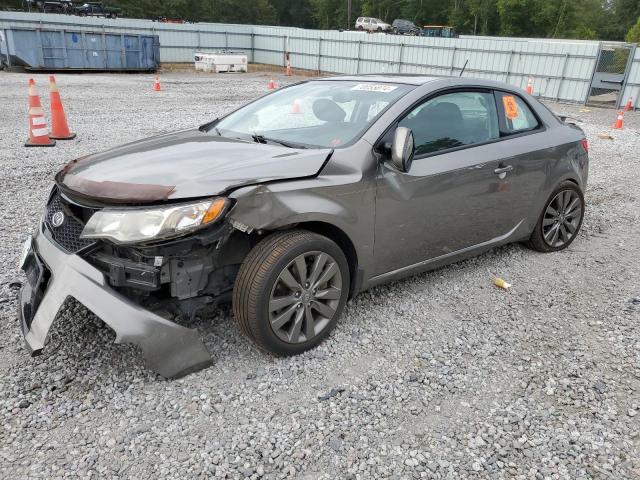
[[168, 348]]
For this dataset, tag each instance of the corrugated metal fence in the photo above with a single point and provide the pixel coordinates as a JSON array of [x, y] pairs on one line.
[[561, 70]]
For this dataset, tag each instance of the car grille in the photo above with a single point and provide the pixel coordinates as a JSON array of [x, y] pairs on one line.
[[67, 235]]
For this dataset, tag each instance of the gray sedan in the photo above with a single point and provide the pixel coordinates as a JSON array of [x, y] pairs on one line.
[[295, 202]]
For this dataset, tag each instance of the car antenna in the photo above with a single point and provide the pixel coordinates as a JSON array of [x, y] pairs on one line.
[[465, 66]]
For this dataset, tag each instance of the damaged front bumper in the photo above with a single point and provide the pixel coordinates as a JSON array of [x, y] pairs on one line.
[[53, 275]]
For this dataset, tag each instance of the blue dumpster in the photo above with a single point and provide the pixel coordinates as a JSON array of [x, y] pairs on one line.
[[43, 49]]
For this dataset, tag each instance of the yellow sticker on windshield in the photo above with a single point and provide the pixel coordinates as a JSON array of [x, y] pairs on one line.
[[510, 107]]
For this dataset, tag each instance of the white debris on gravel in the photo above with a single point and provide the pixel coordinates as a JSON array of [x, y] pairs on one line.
[[439, 376]]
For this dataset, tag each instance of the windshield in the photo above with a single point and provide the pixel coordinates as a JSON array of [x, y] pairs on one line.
[[313, 114]]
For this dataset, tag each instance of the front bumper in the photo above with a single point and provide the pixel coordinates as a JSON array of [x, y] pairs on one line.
[[168, 348]]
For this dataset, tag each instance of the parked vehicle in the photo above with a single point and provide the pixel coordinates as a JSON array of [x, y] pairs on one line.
[[54, 6], [438, 31], [371, 24], [295, 202], [404, 27], [97, 9]]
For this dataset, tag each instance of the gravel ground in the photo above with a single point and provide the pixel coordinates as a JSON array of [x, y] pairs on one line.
[[439, 376]]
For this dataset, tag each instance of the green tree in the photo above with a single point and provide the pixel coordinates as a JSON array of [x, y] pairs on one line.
[[633, 35], [587, 19], [515, 17]]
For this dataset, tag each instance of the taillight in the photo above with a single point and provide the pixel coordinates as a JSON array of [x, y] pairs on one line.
[[585, 144]]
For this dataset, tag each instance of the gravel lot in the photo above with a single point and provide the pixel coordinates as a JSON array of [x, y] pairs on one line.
[[439, 376]]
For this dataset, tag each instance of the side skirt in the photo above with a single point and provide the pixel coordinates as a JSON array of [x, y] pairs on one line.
[[445, 259]]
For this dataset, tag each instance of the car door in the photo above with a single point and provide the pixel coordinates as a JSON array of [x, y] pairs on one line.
[[457, 192], [531, 153]]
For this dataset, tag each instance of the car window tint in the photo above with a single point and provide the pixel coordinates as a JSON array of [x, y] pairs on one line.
[[452, 120], [515, 114]]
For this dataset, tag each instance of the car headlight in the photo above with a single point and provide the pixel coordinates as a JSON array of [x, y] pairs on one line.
[[131, 225]]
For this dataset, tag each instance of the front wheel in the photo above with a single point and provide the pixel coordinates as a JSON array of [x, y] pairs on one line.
[[560, 222], [290, 291]]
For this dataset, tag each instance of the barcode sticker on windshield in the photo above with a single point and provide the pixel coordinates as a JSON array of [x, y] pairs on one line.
[[372, 87]]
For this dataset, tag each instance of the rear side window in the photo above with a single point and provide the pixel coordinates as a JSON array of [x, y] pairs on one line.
[[515, 115], [453, 120]]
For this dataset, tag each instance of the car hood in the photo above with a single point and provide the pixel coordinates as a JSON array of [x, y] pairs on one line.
[[182, 165]]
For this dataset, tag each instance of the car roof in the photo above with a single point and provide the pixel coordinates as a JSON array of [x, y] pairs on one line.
[[385, 78], [423, 80]]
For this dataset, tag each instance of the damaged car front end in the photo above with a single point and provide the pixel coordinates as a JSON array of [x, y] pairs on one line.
[[137, 289], [137, 255]]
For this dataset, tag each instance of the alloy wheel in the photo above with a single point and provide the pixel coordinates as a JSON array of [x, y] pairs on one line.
[[305, 297], [562, 218]]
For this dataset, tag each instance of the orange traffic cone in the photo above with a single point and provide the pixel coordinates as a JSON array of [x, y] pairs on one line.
[[288, 71], [156, 85], [59, 126], [629, 106], [619, 121], [295, 109], [530, 86], [38, 130], [272, 84]]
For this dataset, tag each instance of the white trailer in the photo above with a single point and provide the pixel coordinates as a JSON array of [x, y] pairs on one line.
[[221, 61]]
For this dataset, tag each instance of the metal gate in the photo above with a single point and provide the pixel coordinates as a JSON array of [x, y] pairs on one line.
[[610, 74]]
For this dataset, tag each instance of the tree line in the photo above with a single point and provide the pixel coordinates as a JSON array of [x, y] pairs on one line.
[[579, 19]]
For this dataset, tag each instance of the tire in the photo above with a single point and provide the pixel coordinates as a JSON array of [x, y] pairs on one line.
[[379, 30], [395, 31], [360, 28], [542, 238], [259, 286]]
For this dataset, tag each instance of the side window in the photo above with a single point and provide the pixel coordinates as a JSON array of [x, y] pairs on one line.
[[452, 120], [515, 115]]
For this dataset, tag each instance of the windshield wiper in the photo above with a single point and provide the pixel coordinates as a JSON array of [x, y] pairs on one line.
[[262, 139], [205, 127]]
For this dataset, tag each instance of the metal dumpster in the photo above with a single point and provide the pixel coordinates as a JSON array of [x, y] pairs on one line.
[[44, 49]]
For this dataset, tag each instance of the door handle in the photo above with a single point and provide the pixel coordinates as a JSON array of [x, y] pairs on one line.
[[500, 170]]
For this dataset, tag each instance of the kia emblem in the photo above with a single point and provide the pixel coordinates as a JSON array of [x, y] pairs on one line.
[[57, 219]]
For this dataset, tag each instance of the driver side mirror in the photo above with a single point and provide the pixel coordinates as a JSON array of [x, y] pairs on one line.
[[402, 149]]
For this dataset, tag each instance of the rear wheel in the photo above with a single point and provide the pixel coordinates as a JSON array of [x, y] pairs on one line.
[[290, 291], [560, 222]]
